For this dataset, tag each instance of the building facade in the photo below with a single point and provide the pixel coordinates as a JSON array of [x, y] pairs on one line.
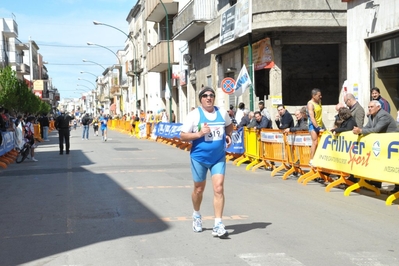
[[373, 50]]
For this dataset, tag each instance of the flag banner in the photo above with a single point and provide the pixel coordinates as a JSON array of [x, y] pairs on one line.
[[243, 82], [372, 156], [237, 144]]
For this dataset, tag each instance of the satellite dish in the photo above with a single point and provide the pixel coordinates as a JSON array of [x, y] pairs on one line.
[[187, 59]]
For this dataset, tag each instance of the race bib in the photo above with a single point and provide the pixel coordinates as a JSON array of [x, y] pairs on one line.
[[216, 134]]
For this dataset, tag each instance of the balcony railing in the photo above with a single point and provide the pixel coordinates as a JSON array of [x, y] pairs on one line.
[[192, 19], [155, 11], [157, 57]]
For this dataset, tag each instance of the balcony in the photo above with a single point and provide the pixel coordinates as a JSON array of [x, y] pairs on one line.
[[157, 57], [115, 91], [11, 30], [23, 69], [191, 21], [155, 11]]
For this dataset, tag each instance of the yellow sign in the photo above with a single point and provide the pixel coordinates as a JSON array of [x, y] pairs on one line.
[[374, 156], [38, 85]]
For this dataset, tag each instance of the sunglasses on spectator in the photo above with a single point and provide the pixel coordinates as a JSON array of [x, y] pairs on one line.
[[208, 95]]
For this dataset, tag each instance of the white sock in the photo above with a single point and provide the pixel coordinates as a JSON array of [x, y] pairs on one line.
[[217, 221], [196, 213]]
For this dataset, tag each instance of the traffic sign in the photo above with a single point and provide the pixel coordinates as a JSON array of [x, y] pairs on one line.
[[227, 85]]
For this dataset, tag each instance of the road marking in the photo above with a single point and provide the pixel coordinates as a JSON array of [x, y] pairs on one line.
[[164, 262], [364, 258], [188, 218], [154, 187], [277, 259]]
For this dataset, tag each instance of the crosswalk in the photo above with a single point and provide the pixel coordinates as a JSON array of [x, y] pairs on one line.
[[282, 259]]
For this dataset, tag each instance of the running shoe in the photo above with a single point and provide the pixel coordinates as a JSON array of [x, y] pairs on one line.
[[220, 231], [197, 224]]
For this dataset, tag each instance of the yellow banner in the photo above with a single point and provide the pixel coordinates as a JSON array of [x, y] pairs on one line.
[[375, 156]]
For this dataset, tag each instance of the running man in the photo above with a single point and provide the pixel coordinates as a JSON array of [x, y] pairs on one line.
[[209, 128], [104, 121]]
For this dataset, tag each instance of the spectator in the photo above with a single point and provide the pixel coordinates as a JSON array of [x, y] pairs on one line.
[[260, 121], [86, 121], [44, 125], [315, 120], [376, 95], [344, 122], [246, 119], [302, 121], [240, 113], [29, 136], [232, 118], [62, 124], [283, 119], [380, 121], [263, 110], [356, 109]]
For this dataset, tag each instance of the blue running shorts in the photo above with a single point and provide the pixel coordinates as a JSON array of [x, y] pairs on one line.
[[199, 170]]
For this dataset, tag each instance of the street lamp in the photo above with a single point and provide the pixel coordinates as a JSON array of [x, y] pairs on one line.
[[88, 81], [81, 72], [84, 60], [134, 55], [84, 86], [169, 70], [90, 43]]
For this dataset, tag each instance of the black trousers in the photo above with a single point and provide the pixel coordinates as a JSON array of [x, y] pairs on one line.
[[63, 134]]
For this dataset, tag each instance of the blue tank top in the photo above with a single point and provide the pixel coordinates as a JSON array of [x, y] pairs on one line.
[[210, 148]]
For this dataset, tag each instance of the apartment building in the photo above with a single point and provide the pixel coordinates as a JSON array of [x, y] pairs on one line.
[[295, 45], [373, 50], [26, 61]]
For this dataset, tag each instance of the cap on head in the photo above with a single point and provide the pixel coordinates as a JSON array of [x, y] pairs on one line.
[[205, 89], [262, 102]]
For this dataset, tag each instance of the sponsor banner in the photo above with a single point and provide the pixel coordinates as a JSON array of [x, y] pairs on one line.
[[271, 137], [237, 145], [300, 140], [168, 130], [8, 142], [374, 156]]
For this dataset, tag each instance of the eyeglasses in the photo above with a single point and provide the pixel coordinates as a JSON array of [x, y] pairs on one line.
[[208, 95], [370, 106]]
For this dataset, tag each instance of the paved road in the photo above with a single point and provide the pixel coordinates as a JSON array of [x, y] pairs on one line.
[[127, 202]]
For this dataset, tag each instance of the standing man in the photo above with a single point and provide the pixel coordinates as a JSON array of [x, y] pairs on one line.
[[315, 120], [86, 121], [376, 95], [62, 123], [380, 121], [209, 128], [264, 112], [283, 119], [103, 122], [357, 110]]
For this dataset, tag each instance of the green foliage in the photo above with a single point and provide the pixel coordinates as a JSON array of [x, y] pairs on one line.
[[15, 95]]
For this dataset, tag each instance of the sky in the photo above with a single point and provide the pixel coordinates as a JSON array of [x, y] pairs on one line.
[[62, 28]]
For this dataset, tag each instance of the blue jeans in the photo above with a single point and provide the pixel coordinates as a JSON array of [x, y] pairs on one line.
[[85, 132]]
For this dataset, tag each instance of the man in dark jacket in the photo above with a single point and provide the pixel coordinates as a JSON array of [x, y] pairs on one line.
[[62, 123], [283, 119]]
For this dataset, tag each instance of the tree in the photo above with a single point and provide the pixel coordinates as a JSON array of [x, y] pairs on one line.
[[15, 94]]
